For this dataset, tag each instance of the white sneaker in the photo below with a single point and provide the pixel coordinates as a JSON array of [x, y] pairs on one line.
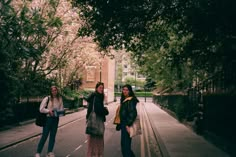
[[51, 154], [37, 155]]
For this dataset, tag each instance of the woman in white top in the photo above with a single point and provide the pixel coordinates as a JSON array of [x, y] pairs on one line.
[[50, 105]]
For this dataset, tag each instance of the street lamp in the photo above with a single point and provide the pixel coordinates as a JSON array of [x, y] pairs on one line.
[[101, 59], [145, 94], [100, 72]]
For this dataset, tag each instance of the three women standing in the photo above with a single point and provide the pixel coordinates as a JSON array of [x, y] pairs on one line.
[[127, 113], [96, 103], [50, 105]]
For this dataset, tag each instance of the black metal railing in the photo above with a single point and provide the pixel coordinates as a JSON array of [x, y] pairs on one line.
[[214, 99], [223, 82]]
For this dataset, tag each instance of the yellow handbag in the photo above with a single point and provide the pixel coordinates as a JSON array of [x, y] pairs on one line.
[[117, 117]]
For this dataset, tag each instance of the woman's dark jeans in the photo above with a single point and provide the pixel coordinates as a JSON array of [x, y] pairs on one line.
[[126, 143], [50, 127]]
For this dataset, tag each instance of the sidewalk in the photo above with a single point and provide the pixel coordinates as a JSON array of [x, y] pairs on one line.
[[175, 139], [28, 130]]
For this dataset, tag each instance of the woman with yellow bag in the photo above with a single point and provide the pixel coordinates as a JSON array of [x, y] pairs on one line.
[[126, 114]]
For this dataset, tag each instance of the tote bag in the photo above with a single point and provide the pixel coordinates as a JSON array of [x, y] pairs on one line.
[[135, 128], [95, 125]]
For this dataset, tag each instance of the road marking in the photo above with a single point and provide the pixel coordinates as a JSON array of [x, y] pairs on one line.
[[74, 121], [74, 150], [78, 148], [153, 142], [145, 138], [142, 136]]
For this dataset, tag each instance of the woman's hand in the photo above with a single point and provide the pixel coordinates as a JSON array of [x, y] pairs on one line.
[[51, 113], [127, 129], [118, 127], [105, 110]]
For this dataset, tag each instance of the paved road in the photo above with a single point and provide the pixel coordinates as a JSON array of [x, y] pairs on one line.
[[163, 136], [72, 142]]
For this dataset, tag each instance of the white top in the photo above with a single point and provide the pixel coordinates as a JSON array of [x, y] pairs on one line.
[[54, 103]]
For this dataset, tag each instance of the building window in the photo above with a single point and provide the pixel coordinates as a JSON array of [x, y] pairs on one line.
[[140, 76], [90, 73]]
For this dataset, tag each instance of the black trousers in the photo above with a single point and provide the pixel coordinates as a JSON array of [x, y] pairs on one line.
[[126, 143]]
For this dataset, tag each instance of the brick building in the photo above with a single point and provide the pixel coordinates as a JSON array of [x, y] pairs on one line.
[[104, 72]]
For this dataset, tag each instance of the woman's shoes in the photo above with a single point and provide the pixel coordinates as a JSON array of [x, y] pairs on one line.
[[51, 154], [37, 155]]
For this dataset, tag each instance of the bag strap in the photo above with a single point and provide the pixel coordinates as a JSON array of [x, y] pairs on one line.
[[47, 103], [93, 102], [129, 98]]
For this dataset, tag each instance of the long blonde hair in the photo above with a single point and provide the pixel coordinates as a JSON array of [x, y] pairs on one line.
[[58, 96]]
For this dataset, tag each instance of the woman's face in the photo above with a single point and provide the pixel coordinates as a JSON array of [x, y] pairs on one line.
[[54, 91], [100, 89], [125, 91]]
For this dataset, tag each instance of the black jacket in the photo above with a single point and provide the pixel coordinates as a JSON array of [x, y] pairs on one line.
[[128, 111], [99, 108]]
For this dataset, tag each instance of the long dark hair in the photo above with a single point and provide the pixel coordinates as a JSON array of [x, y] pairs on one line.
[[99, 84], [131, 93]]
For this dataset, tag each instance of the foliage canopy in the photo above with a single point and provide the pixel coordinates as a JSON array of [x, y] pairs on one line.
[[170, 38]]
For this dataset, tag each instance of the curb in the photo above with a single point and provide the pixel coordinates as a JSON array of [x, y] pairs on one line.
[[19, 141], [161, 145], [36, 134]]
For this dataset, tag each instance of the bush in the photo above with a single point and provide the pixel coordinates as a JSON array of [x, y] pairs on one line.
[[175, 103], [72, 98], [138, 94]]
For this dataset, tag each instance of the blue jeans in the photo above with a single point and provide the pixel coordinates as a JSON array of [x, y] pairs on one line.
[[50, 127], [126, 142]]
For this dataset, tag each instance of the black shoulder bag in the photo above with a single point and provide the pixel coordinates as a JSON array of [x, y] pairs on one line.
[[41, 117]]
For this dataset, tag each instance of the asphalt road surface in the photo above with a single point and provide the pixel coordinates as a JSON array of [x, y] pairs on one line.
[[71, 139]]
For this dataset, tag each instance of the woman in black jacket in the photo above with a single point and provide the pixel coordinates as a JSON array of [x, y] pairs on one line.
[[128, 114], [96, 101]]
